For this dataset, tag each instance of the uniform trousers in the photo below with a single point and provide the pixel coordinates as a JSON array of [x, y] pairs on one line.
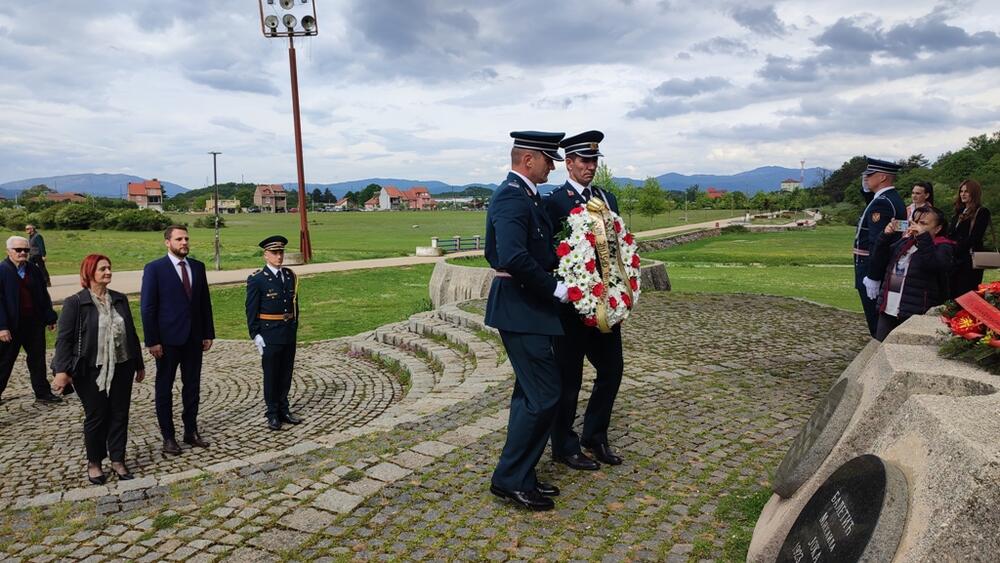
[[277, 361], [188, 357], [532, 408], [604, 351], [30, 335], [870, 306], [105, 424]]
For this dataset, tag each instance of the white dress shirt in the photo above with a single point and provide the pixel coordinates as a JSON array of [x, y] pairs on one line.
[[176, 261], [531, 185]]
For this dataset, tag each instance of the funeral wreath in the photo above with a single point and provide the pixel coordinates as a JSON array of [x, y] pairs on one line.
[[973, 322]]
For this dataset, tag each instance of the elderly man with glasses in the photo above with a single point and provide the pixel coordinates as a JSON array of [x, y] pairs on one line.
[[25, 311]]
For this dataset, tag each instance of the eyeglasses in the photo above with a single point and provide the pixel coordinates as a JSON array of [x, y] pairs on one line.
[[21, 250]]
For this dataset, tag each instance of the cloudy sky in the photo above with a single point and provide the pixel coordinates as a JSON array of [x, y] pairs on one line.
[[429, 89]]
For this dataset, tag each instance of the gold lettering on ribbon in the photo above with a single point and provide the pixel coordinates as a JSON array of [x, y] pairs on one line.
[[599, 212]]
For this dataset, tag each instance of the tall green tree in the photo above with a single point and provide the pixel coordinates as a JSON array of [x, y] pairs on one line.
[[652, 200]]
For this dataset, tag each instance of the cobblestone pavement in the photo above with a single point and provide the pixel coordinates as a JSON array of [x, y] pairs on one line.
[[716, 386], [41, 446]]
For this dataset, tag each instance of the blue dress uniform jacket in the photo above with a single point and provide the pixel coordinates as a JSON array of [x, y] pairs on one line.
[[269, 296], [519, 242], [604, 351], [882, 209]]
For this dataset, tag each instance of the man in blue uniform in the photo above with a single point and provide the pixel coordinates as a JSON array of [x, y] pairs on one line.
[[522, 306], [273, 321], [604, 351], [884, 205]]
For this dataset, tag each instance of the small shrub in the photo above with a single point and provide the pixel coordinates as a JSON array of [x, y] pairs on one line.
[[208, 222], [76, 216], [14, 219], [140, 220], [733, 229]]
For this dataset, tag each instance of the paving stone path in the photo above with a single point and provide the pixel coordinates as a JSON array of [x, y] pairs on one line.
[[716, 387]]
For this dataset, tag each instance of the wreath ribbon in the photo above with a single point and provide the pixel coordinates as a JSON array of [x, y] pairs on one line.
[[598, 210]]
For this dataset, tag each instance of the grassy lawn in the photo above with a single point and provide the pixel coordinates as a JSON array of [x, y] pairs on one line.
[[335, 236], [332, 305]]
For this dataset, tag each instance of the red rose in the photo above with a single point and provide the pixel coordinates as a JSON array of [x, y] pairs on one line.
[[592, 239], [576, 210], [598, 290], [629, 239], [590, 321], [635, 260], [627, 300], [574, 293], [634, 283], [563, 249], [590, 265], [618, 226], [613, 302]]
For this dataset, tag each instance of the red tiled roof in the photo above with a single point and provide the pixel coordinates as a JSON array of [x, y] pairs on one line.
[[143, 188], [373, 200], [270, 189], [394, 191]]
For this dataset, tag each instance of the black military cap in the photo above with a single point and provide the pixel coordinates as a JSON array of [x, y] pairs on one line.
[[876, 165], [584, 144], [277, 242], [547, 143]]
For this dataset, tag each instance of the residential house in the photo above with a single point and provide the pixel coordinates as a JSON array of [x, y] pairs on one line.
[[271, 198], [714, 193], [147, 194], [72, 197], [790, 185], [229, 206], [372, 204], [343, 204], [417, 198]]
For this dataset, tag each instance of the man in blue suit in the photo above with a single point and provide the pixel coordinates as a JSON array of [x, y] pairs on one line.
[[604, 351], [178, 328], [522, 306], [884, 205], [272, 308]]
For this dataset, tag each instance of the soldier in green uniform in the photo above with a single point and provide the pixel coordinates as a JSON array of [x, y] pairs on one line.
[[273, 321]]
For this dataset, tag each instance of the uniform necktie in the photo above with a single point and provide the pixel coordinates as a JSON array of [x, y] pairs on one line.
[[185, 279], [586, 194], [281, 278]]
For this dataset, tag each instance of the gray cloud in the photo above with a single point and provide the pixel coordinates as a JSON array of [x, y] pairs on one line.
[[724, 46], [685, 88], [762, 20]]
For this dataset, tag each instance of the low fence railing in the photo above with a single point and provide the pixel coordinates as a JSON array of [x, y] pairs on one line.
[[457, 243]]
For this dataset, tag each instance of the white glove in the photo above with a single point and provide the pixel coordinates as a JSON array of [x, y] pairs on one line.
[[871, 288], [561, 293], [258, 341]]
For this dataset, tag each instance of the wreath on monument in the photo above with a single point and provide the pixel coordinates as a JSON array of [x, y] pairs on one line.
[[599, 263], [973, 323]]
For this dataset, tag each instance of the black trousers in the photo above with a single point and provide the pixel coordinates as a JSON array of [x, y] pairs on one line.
[[532, 407], [277, 361], [886, 324], [188, 358], [604, 351], [38, 261], [870, 306], [105, 424], [30, 335]]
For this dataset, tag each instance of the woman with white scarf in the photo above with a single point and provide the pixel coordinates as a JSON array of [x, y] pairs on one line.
[[97, 352]]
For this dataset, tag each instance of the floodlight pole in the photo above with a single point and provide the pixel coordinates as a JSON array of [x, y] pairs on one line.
[[304, 244], [215, 182]]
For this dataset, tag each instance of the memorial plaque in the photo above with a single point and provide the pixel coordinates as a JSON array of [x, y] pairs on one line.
[[858, 513], [818, 437]]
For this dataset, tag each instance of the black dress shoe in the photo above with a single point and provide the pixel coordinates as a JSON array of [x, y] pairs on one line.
[[170, 446], [274, 423], [604, 453], [194, 439], [50, 398], [123, 476], [532, 500], [290, 418], [547, 489], [99, 480], [579, 461]]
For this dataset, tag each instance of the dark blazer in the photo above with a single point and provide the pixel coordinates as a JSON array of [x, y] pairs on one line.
[[563, 199], [926, 283], [519, 242], [168, 316], [267, 295], [80, 314], [888, 205], [969, 234], [10, 300]]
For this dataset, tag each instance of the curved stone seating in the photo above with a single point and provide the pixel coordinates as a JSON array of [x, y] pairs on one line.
[[935, 420], [453, 283]]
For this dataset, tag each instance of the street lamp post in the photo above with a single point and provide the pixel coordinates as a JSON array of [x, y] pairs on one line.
[[215, 182], [293, 27]]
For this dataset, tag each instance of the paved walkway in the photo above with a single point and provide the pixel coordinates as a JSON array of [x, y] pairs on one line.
[[130, 281], [716, 387]]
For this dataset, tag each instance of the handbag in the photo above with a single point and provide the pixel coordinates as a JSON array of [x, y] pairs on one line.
[[985, 259]]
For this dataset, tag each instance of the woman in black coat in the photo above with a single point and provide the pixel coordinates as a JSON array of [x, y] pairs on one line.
[[917, 263], [968, 229], [97, 351]]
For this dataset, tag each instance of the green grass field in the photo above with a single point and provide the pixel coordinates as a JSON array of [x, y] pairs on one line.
[[334, 236]]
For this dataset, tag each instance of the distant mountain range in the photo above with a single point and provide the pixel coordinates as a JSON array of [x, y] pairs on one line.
[[767, 178]]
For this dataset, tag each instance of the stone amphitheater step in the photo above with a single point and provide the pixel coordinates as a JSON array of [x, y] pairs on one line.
[[451, 365]]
